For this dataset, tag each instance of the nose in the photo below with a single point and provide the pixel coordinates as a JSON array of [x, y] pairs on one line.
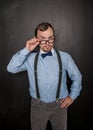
[[47, 41]]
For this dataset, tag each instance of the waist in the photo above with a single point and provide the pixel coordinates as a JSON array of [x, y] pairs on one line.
[[39, 102]]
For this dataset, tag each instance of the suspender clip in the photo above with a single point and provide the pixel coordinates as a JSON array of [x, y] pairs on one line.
[[38, 100]]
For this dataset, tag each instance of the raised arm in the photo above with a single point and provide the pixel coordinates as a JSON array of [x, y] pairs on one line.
[[17, 63]]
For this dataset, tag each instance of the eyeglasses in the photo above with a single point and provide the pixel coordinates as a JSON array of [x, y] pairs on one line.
[[51, 41]]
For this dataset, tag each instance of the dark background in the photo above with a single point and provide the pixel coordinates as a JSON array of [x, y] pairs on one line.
[[73, 23]]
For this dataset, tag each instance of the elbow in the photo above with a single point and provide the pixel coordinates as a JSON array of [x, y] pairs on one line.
[[11, 70]]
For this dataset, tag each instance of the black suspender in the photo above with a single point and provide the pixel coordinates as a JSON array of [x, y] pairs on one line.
[[35, 72], [60, 75]]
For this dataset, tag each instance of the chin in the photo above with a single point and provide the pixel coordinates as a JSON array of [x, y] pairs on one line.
[[47, 49]]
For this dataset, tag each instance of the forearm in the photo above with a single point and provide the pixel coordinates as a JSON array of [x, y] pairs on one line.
[[76, 78], [76, 86]]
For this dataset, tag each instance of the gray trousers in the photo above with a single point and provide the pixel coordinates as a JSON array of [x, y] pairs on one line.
[[42, 112]]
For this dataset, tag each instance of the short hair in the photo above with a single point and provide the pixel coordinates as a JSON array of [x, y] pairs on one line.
[[43, 27]]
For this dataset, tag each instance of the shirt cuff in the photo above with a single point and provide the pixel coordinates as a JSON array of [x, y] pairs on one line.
[[73, 96]]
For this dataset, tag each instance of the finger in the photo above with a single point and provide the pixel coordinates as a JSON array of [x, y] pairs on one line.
[[34, 39], [62, 100], [64, 105]]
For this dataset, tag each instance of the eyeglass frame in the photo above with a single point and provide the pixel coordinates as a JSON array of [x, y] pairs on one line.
[[53, 38]]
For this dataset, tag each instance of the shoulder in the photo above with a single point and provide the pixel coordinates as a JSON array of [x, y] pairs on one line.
[[64, 54], [66, 57], [32, 55]]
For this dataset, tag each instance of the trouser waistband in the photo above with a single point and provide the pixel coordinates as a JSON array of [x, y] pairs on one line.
[[39, 102]]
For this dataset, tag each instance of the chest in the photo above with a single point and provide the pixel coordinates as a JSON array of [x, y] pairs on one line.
[[48, 67]]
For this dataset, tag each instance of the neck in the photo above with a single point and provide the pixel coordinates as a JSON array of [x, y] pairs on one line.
[[42, 51]]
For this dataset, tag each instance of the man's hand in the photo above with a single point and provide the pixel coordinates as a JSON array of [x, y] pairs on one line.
[[32, 44], [66, 102]]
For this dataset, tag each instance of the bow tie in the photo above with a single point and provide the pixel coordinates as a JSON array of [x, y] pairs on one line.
[[46, 54]]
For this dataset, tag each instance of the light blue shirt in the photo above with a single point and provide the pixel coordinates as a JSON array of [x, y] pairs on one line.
[[47, 74]]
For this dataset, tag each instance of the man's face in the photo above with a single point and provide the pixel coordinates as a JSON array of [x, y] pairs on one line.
[[46, 39]]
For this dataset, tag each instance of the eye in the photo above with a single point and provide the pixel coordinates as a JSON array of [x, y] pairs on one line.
[[43, 41]]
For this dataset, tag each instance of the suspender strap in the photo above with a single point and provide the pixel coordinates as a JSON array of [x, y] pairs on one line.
[[35, 72], [60, 74]]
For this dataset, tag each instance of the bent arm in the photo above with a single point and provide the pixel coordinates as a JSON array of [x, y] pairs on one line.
[[17, 63], [75, 77]]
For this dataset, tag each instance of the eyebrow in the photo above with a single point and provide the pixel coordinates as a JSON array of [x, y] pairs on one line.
[[45, 37]]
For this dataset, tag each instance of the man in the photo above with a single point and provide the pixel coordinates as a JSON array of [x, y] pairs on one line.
[[46, 70]]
